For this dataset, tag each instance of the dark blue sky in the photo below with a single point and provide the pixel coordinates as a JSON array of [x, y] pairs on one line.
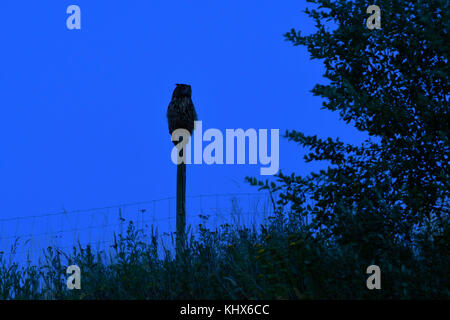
[[83, 112]]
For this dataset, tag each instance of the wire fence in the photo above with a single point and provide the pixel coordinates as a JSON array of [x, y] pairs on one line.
[[25, 238]]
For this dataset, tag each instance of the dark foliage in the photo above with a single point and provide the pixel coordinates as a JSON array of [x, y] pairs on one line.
[[386, 201]]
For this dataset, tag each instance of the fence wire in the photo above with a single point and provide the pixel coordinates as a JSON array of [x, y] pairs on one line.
[[25, 238]]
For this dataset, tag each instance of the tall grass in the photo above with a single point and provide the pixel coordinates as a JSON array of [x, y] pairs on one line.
[[280, 259]]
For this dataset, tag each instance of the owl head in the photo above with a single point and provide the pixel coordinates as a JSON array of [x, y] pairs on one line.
[[182, 90]]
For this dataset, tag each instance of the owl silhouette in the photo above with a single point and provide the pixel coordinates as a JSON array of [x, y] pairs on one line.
[[181, 113]]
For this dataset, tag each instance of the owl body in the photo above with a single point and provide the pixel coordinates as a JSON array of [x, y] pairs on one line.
[[181, 113]]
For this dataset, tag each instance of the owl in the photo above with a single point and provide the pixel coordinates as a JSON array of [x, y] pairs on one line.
[[181, 112]]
